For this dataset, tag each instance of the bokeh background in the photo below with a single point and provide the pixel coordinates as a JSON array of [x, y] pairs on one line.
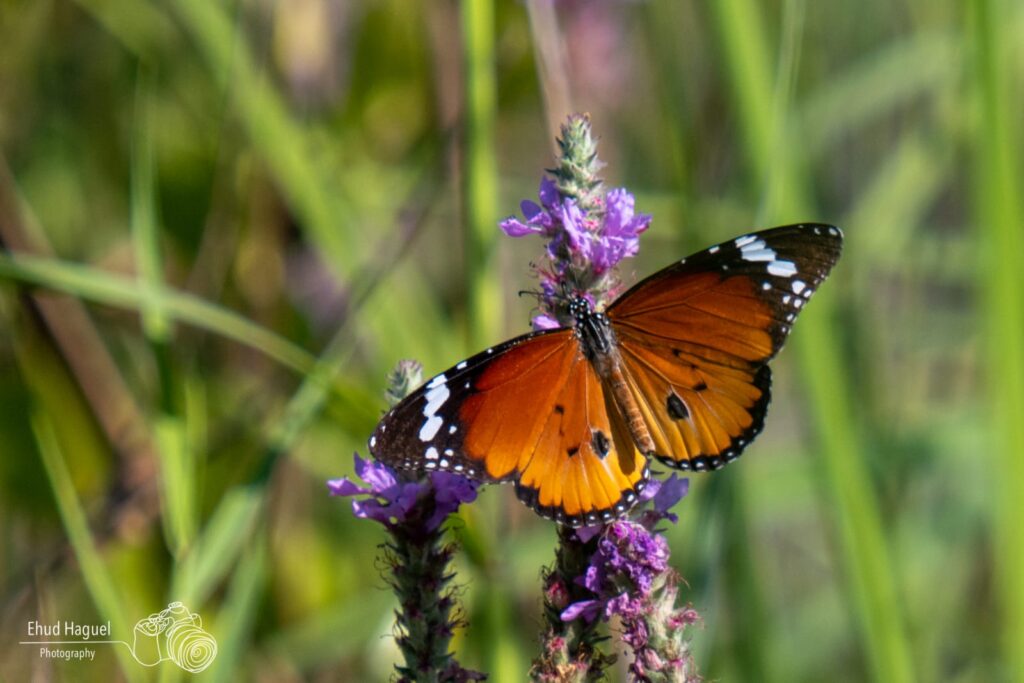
[[224, 222]]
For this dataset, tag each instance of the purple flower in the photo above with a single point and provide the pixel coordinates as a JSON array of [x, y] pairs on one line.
[[663, 496], [538, 219], [622, 572], [629, 577], [388, 500], [587, 233], [620, 234]]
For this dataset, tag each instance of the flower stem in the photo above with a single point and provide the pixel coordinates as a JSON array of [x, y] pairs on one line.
[[570, 652], [427, 616]]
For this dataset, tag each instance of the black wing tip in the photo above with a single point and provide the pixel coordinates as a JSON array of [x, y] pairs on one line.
[[630, 497], [707, 463]]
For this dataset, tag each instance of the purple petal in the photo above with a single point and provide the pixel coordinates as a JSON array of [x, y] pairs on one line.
[[536, 216], [377, 475], [513, 227], [588, 532], [619, 220], [671, 492], [344, 487], [544, 322], [618, 212], [370, 508], [548, 193], [650, 491], [573, 222], [588, 609], [592, 579], [450, 491]]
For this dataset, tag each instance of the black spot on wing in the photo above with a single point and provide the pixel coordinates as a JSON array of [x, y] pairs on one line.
[[676, 408]]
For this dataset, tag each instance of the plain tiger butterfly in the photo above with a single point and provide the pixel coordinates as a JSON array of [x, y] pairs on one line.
[[675, 369]]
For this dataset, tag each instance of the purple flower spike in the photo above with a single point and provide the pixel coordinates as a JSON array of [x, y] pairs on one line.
[[588, 232], [629, 577]]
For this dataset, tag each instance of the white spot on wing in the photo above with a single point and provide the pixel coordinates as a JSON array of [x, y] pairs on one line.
[[429, 429], [452, 429], [431, 453], [436, 396], [461, 366], [782, 268], [745, 240], [756, 250], [798, 286], [714, 249]]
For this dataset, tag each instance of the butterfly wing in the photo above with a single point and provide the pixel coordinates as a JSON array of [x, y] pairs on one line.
[[695, 338], [531, 411]]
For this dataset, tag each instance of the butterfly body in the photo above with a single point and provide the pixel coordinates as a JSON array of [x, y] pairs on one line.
[[675, 369], [600, 346]]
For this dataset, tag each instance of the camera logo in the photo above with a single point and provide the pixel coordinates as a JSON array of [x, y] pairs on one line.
[[174, 634]]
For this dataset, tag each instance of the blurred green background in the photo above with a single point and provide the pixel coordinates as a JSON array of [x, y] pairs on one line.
[[224, 222]]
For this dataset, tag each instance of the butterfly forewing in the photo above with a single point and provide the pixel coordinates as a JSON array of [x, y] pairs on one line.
[[694, 338], [530, 411]]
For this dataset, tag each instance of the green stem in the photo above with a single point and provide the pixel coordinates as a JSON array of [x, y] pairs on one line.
[[480, 176], [122, 292], [998, 210]]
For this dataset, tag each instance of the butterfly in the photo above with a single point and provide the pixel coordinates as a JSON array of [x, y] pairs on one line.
[[676, 369]]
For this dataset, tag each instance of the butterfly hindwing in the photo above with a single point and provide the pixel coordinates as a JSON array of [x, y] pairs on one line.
[[530, 411], [695, 338], [585, 467]]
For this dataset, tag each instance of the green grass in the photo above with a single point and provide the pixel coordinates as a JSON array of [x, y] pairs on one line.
[[263, 207]]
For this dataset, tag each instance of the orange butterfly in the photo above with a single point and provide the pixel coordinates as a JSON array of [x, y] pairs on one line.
[[676, 369]]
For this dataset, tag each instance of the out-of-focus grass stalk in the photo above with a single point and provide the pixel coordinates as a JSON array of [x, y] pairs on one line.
[[106, 288], [224, 536], [998, 182], [483, 285], [865, 553], [237, 617], [177, 468], [549, 53], [745, 594], [97, 579], [279, 139], [480, 175]]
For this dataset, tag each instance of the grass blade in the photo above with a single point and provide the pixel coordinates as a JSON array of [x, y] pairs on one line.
[[98, 580], [998, 210], [121, 292]]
